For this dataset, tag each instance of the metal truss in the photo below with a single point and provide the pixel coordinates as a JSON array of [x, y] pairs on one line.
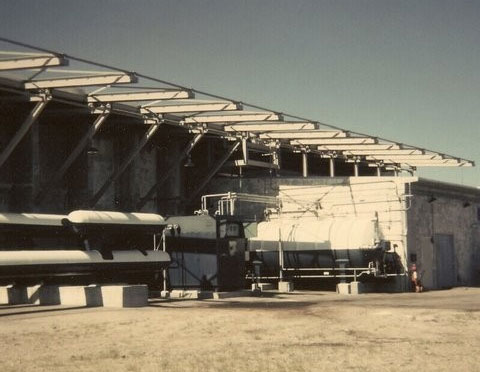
[[175, 105]]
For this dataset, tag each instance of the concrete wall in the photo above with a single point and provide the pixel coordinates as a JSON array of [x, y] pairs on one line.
[[438, 208]]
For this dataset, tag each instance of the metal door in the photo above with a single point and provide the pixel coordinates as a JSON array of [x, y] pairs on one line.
[[445, 260]]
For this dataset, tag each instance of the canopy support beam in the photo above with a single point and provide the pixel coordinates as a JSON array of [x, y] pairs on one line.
[[115, 175], [216, 167], [167, 174], [82, 144], [24, 128]]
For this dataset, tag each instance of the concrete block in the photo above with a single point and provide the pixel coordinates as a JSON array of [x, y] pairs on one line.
[[285, 286], [266, 286], [222, 295], [343, 288], [357, 288], [124, 295], [80, 296], [3, 295], [191, 294], [49, 295], [33, 294], [18, 295], [13, 295], [164, 294]]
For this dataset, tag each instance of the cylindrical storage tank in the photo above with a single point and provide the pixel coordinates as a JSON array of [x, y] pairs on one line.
[[80, 266], [312, 243], [107, 220]]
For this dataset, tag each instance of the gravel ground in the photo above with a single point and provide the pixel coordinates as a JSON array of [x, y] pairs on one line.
[[301, 331]]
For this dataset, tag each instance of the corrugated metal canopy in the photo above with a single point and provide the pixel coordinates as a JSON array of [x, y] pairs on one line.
[[162, 101]]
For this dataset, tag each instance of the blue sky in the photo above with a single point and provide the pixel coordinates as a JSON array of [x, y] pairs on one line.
[[403, 70]]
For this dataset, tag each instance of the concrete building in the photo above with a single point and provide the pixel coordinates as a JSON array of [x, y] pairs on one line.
[[114, 140], [433, 224]]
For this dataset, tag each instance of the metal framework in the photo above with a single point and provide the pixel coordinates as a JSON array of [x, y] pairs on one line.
[[24, 128], [79, 148], [81, 81], [119, 171], [334, 141], [192, 106], [140, 96], [28, 62], [233, 117], [176, 105], [299, 133]]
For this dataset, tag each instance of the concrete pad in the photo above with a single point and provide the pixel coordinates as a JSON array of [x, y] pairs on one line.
[[343, 288], [285, 286], [81, 296], [164, 294], [221, 295], [124, 295], [193, 294], [13, 295], [19, 294], [33, 294], [49, 295], [266, 286], [357, 288]]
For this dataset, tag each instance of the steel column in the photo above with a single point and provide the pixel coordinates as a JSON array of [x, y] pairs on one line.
[[147, 136], [304, 164], [379, 172], [24, 128], [82, 144], [332, 167], [165, 176], [214, 170], [245, 150], [355, 169]]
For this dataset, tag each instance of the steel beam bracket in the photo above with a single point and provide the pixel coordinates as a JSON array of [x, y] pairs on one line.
[[99, 108], [43, 95]]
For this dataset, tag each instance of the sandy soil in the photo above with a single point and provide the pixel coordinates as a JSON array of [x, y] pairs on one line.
[[307, 331]]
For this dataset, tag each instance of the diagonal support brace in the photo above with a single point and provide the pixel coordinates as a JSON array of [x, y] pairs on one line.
[[82, 144], [167, 174], [214, 170], [24, 128], [147, 136]]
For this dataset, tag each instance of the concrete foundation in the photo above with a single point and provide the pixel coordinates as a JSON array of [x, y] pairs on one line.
[[81, 296], [285, 286], [12, 295], [125, 295], [193, 294], [263, 286], [37, 295], [357, 288], [343, 288], [222, 295]]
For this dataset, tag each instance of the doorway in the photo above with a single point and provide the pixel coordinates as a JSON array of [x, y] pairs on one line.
[[445, 260]]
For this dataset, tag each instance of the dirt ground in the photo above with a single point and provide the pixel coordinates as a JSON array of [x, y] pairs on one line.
[[301, 331]]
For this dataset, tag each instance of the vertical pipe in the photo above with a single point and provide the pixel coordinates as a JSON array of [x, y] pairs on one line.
[[164, 270], [280, 254], [245, 150], [332, 167], [379, 172], [304, 164], [355, 169]]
